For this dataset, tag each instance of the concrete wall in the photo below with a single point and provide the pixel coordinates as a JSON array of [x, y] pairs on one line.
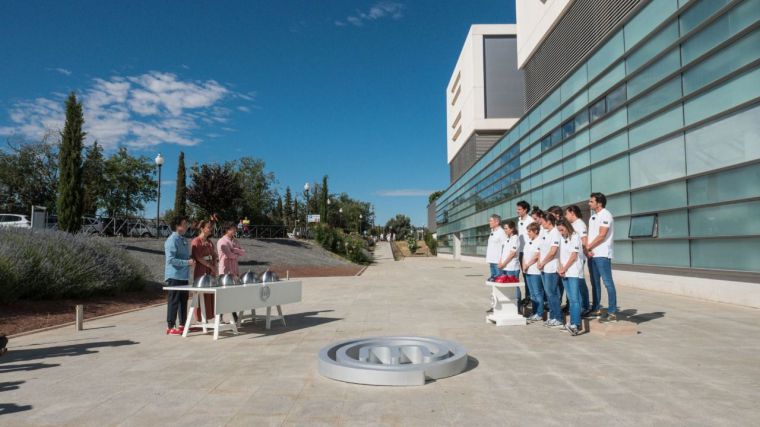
[[535, 18]]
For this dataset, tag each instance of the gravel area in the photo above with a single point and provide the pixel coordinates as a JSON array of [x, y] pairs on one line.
[[301, 258]]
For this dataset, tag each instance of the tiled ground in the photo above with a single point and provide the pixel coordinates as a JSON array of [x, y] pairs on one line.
[[693, 363]]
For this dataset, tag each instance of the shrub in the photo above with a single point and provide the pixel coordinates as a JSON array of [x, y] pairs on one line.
[[351, 246], [50, 264], [431, 242], [411, 242]]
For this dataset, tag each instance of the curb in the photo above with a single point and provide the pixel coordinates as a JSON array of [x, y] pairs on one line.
[[63, 325]]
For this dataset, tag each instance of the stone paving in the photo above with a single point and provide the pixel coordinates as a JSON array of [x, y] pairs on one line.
[[693, 363]]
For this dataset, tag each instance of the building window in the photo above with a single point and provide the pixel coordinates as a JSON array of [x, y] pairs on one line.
[[643, 226]]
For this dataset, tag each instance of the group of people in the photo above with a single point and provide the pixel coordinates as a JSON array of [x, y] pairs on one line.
[[203, 257], [550, 248]]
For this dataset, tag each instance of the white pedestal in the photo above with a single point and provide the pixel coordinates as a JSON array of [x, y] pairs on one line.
[[504, 304]]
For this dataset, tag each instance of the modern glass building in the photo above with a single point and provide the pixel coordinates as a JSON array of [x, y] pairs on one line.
[[661, 113]]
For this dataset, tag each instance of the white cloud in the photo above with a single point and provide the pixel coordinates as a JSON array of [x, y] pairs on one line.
[[140, 111], [63, 71], [404, 192], [380, 10]]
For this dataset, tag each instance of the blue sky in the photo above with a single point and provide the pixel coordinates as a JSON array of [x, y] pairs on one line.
[[351, 89]]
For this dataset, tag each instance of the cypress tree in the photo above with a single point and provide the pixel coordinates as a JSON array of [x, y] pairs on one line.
[[323, 199], [70, 190], [288, 208], [93, 171], [180, 196]]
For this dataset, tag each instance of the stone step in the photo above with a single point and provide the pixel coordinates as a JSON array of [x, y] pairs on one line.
[[609, 329]]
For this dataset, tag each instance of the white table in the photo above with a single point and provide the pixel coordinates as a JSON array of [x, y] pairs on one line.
[[237, 299], [504, 304]]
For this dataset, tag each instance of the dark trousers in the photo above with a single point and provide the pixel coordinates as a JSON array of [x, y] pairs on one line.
[[176, 304]]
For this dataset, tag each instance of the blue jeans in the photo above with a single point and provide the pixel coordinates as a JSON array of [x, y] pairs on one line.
[[515, 273], [572, 285], [551, 288], [601, 269], [495, 272], [533, 282], [584, 294]]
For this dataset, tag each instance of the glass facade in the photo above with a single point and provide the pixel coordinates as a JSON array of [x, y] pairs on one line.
[[664, 118]]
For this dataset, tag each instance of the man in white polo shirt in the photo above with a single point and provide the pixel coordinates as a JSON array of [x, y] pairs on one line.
[[496, 242], [575, 216], [523, 220], [600, 238]]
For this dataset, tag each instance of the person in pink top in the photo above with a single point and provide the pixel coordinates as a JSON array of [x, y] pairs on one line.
[[229, 251]]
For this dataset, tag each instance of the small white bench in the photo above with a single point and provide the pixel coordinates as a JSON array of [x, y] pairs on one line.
[[504, 304]]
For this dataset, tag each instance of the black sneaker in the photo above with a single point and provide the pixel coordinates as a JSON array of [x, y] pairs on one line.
[[593, 314], [489, 311]]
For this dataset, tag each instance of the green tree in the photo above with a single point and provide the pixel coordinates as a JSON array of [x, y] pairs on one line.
[[180, 195], [129, 183], [279, 212], [258, 197], [93, 170], [70, 190], [288, 208], [29, 175], [434, 196], [401, 225], [215, 189], [323, 197]]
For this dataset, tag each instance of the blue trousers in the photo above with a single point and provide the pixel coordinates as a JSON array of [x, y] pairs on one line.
[[601, 270], [572, 286], [551, 289], [534, 283]]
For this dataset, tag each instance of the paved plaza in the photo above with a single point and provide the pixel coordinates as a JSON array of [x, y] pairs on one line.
[[693, 363]]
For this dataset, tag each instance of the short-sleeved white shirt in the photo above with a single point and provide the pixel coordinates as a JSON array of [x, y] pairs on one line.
[[495, 244], [568, 246], [550, 239], [580, 227], [529, 252], [511, 245], [599, 219], [522, 230]]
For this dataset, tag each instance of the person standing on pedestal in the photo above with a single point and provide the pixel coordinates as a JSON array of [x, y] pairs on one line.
[[206, 259], [496, 242], [176, 271]]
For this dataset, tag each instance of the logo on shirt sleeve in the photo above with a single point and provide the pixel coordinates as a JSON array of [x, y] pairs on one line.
[[593, 218], [605, 222]]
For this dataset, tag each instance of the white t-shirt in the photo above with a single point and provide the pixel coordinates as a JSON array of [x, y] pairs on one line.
[[522, 230], [566, 248], [529, 252], [580, 227], [603, 218], [550, 239], [495, 244], [511, 245]]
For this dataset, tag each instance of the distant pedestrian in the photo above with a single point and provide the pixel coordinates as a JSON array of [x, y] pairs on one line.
[[176, 272]]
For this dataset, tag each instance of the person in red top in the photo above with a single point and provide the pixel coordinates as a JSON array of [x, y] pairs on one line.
[[206, 261]]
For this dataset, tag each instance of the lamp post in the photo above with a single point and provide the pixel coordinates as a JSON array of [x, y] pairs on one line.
[[159, 163], [340, 217], [306, 193], [327, 212], [360, 224]]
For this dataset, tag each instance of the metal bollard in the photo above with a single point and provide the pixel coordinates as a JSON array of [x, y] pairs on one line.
[[79, 317], [287, 274]]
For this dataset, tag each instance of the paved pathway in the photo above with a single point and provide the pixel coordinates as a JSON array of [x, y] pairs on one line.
[[694, 363]]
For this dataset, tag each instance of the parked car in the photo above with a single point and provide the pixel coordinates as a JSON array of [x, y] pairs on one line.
[[14, 220]]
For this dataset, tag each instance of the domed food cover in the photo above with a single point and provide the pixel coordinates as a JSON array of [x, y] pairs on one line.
[[205, 281], [228, 280], [250, 277], [269, 276]]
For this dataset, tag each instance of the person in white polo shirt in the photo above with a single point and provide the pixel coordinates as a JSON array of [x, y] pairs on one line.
[[548, 256], [523, 221], [600, 237], [496, 242], [570, 269], [532, 273], [574, 215]]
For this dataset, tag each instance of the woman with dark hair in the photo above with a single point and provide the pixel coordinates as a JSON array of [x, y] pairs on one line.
[[570, 270], [532, 273], [229, 251], [510, 262], [206, 259]]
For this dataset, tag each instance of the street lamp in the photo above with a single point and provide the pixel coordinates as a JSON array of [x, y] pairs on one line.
[[306, 193], [327, 212], [340, 217], [159, 163], [360, 224]]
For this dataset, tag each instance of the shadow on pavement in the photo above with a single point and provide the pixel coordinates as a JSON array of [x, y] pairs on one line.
[[472, 363], [12, 385], [295, 322], [631, 315], [26, 367], [288, 242], [9, 408], [22, 355], [141, 249]]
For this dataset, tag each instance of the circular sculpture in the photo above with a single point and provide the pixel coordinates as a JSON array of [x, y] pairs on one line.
[[392, 360]]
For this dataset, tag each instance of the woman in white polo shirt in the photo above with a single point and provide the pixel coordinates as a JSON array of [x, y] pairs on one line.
[[532, 273], [549, 255], [510, 261], [571, 269]]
